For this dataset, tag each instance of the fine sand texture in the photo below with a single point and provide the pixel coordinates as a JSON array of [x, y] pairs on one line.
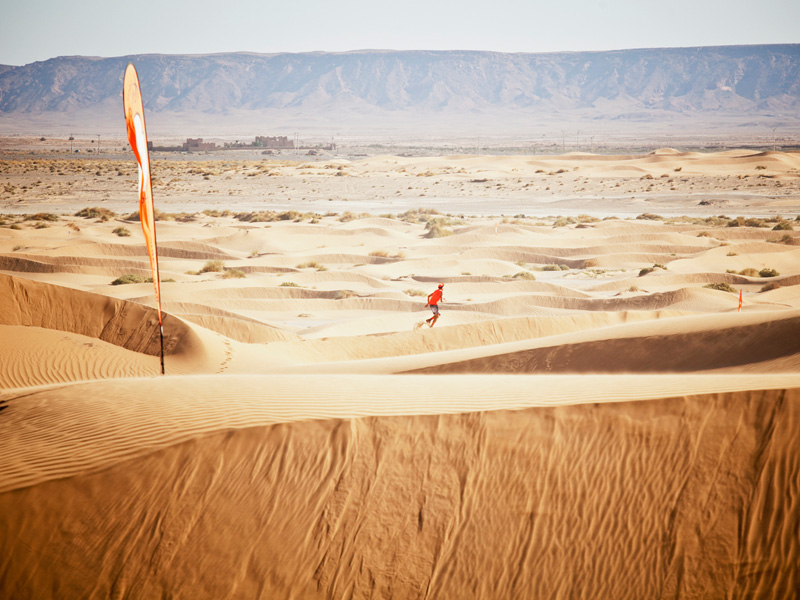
[[594, 415]]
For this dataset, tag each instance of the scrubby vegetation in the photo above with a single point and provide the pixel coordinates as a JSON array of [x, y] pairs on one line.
[[122, 231], [647, 270], [96, 212], [213, 266], [129, 278], [418, 215], [437, 231], [350, 216], [524, 275], [722, 287], [42, 217]]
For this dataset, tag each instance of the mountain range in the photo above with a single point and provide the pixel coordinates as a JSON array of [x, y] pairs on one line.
[[734, 85]]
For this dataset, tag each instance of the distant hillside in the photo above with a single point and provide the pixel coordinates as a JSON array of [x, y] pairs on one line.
[[625, 85]]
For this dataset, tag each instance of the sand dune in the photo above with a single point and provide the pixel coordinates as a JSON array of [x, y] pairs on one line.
[[401, 505], [592, 415]]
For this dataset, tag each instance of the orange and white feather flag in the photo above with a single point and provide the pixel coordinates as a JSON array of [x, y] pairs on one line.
[[137, 137]]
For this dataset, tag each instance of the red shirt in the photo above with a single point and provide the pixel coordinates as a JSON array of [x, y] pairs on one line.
[[434, 298]]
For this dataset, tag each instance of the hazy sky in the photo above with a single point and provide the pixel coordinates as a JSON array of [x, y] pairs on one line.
[[33, 30]]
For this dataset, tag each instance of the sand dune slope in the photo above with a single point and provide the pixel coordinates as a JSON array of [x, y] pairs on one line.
[[690, 496], [680, 345], [132, 326]]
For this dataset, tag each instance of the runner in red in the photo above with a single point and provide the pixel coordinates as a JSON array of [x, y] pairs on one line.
[[433, 302]]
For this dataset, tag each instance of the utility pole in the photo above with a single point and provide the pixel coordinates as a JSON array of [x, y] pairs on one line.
[[98, 143], [71, 139]]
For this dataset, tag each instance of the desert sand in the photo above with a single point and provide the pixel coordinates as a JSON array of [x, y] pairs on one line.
[[593, 416]]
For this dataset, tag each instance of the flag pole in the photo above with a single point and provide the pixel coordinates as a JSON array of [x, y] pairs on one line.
[[161, 330]]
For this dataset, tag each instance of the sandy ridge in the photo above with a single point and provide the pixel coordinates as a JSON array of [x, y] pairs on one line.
[[110, 421]]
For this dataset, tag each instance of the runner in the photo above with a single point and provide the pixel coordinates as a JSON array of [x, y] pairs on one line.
[[433, 301]]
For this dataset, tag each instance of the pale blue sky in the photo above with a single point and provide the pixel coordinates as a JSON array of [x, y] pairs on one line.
[[34, 30]]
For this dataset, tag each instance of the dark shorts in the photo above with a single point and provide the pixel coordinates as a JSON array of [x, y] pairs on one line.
[[435, 309]]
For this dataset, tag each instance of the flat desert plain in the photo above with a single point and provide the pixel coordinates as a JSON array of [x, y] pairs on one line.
[[608, 407]]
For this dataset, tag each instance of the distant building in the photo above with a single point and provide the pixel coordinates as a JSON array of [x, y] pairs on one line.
[[280, 142], [198, 145]]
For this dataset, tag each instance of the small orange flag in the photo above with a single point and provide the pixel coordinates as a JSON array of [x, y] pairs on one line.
[[740, 301], [137, 136]]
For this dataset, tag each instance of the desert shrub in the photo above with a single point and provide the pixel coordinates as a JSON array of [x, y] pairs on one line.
[[768, 273], [215, 266], [122, 231], [736, 222], [96, 212], [760, 167], [41, 225], [256, 217], [234, 274], [415, 293], [42, 217], [783, 226], [650, 217], [312, 264], [749, 272], [350, 216], [722, 287], [555, 268], [129, 278], [379, 253], [157, 216], [14, 226], [703, 234], [288, 284], [216, 213], [342, 294], [564, 221], [525, 275], [18, 247], [418, 215], [436, 230], [772, 285]]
